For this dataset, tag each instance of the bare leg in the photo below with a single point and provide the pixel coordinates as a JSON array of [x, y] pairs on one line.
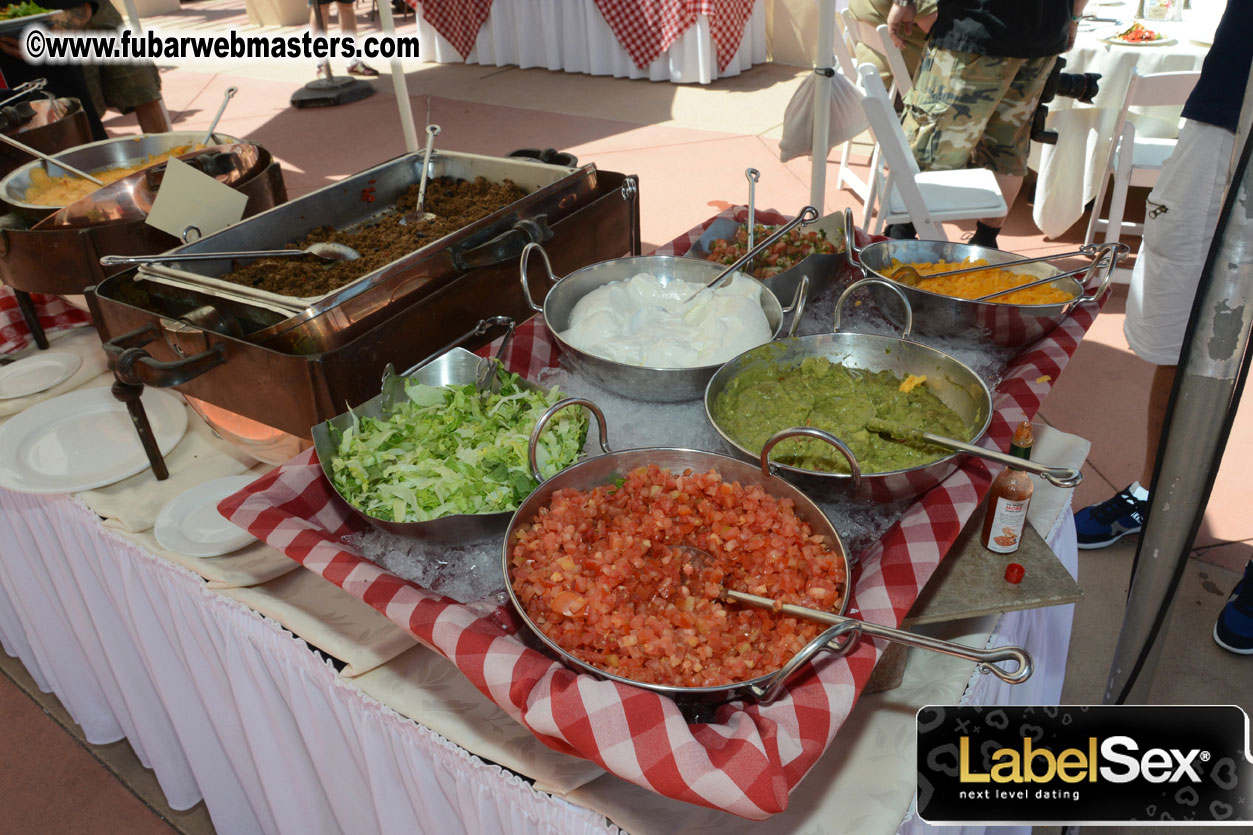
[[347, 19], [1159, 396], [153, 117], [1010, 185]]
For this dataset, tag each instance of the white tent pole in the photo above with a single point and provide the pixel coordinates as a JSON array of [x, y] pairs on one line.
[[824, 58], [132, 14], [399, 84]]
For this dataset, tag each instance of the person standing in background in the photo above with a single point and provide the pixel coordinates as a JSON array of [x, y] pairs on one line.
[[977, 87], [875, 12], [1181, 216]]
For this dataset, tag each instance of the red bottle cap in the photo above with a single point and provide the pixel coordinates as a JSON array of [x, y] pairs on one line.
[[1014, 573]]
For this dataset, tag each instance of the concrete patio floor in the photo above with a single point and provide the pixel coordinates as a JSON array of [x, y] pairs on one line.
[[690, 146]]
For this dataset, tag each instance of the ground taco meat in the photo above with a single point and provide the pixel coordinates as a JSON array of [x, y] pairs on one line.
[[455, 203]]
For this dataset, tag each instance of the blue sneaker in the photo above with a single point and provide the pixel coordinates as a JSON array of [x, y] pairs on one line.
[[1104, 524], [1233, 631]]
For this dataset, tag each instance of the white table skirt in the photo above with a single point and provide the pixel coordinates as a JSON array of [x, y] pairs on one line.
[[572, 35], [223, 704]]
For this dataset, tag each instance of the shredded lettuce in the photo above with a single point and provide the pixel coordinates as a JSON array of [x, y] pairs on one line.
[[444, 452]]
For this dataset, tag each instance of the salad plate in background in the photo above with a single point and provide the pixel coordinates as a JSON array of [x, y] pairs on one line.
[[1137, 34], [14, 17]]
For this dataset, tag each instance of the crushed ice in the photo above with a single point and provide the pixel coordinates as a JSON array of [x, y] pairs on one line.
[[466, 572]]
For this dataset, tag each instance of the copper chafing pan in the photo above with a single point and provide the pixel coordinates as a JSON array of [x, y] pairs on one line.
[[58, 124], [183, 334], [315, 322]]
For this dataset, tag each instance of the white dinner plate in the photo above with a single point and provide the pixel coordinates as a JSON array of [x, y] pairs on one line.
[[1111, 37], [82, 440], [190, 524], [38, 372]]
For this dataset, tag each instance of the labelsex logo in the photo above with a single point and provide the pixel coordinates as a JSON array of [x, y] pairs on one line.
[[1072, 765]]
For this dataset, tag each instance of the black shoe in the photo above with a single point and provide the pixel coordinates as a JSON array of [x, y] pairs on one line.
[[984, 235], [900, 231]]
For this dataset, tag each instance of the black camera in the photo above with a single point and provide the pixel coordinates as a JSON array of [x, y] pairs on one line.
[[1080, 86]]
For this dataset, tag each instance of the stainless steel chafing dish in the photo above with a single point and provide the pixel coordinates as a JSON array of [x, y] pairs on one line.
[[205, 344], [310, 324]]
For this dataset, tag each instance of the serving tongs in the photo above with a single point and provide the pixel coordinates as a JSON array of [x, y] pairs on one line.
[[21, 146], [22, 89], [806, 216], [907, 275], [985, 659]]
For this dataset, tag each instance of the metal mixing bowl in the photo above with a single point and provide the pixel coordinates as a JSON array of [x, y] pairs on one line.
[[668, 385], [990, 322], [108, 153]]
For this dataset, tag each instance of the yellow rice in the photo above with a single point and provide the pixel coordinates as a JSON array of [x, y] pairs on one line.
[[974, 285]]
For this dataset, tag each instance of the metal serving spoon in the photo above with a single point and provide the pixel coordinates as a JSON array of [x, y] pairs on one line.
[[230, 92], [1057, 476], [807, 216], [41, 155], [905, 274], [326, 250], [985, 658]]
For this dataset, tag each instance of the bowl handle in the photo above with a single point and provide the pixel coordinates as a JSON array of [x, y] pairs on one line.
[[850, 240], [829, 641], [1114, 252], [542, 423], [548, 265], [797, 307], [909, 309], [811, 432]]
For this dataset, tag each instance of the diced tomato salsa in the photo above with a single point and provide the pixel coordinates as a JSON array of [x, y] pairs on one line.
[[596, 571], [781, 255]]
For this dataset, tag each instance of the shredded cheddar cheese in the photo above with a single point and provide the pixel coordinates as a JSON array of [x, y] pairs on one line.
[[911, 382], [974, 285]]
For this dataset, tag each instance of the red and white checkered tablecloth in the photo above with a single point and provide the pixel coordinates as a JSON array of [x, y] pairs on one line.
[[750, 757], [647, 28], [54, 315], [459, 21]]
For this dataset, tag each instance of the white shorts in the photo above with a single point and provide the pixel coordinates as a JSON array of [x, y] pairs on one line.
[[1179, 222]]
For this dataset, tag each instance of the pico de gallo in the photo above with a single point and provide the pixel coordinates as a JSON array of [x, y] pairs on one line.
[[1138, 33], [782, 255]]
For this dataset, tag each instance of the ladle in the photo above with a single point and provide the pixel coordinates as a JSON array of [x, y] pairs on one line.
[[326, 250], [905, 274], [41, 155], [807, 216], [1057, 476], [985, 658], [230, 91]]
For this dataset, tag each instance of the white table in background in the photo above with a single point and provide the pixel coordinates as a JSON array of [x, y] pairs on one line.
[[1069, 171]]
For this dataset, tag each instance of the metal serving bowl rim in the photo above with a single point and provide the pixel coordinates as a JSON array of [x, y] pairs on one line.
[[565, 656], [615, 365], [864, 474]]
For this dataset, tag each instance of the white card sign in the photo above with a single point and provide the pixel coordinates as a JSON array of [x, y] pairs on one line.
[[188, 197]]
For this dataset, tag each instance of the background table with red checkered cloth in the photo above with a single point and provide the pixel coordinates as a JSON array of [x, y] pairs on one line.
[[749, 757], [459, 21], [644, 28], [647, 28], [54, 315]]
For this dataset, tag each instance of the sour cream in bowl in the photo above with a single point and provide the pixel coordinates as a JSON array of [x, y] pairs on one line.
[[644, 322]]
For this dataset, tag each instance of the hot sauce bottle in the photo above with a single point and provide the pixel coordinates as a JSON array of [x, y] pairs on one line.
[[1009, 498]]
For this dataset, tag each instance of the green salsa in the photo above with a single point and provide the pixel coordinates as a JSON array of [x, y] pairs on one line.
[[767, 397]]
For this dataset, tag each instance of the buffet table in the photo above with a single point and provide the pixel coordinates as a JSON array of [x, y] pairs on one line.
[[683, 41], [186, 658], [1069, 170]]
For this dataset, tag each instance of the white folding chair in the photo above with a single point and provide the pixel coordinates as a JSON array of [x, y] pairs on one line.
[[906, 193], [844, 177], [878, 39], [1132, 160]]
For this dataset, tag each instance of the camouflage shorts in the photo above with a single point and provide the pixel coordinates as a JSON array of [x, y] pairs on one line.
[[973, 110]]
